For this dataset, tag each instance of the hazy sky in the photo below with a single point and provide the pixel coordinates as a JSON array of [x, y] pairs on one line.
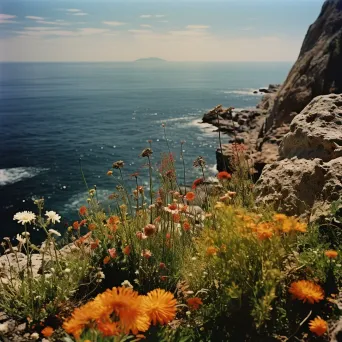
[[229, 30]]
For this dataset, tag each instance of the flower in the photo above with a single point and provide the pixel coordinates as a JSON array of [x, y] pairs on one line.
[[229, 195], [106, 260], [147, 152], [146, 253], [24, 217], [219, 205], [112, 223], [162, 265], [20, 239], [52, 231], [197, 182], [186, 226], [94, 244], [118, 164], [47, 331], [331, 254], [53, 217], [76, 225], [140, 235], [108, 328], [307, 291], [194, 303], [224, 175], [160, 306], [126, 283], [127, 250], [175, 218], [190, 196], [83, 210], [211, 251], [150, 229], [112, 253], [110, 173], [83, 223], [199, 162], [91, 226], [34, 336], [318, 326]]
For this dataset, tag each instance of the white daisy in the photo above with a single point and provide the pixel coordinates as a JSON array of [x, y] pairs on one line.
[[20, 239], [52, 231], [53, 217], [24, 217], [126, 283]]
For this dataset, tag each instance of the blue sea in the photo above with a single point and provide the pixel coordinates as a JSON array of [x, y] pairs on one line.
[[52, 115]]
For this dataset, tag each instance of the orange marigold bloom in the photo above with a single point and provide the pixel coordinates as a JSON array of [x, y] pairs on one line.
[[160, 306], [127, 250], [264, 232], [128, 306], [318, 326], [197, 182], [186, 226], [307, 291], [108, 328], [224, 175], [91, 226], [106, 260], [211, 251], [83, 211], [47, 331], [76, 225], [331, 254], [190, 196], [194, 303]]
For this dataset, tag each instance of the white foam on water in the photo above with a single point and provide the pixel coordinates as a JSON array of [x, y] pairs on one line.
[[17, 174], [248, 91], [206, 128]]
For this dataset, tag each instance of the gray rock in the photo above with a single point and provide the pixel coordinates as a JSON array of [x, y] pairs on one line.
[[317, 131]]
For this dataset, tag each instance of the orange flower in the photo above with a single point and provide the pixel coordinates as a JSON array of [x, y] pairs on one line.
[[318, 326], [224, 175], [112, 253], [190, 196], [331, 254], [184, 208], [150, 229], [109, 173], [108, 328], [146, 253], [307, 291], [83, 222], [47, 331], [264, 232], [160, 306], [91, 226], [76, 225], [83, 211], [106, 260], [112, 223], [162, 265], [194, 303], [95, 244], [197, 182], [127, 250], [186, 226], [211, 251], [176, 218], [83, 238]]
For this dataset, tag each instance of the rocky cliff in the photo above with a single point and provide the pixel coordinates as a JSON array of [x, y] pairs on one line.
[[318, 70]]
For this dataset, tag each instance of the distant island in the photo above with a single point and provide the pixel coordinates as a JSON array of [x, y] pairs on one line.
[[151, 59]]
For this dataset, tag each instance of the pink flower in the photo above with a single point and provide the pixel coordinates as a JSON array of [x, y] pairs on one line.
[[112, 253]]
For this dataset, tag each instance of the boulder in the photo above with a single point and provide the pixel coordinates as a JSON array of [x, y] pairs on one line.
[[317, 131]]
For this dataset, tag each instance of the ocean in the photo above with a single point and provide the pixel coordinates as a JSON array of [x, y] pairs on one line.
[[52, 115]]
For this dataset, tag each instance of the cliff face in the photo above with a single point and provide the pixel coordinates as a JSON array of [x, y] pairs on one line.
[[318, 70]]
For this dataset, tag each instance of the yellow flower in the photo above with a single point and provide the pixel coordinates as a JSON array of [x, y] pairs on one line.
[[211, 251], [331, 254], [307, 291], [160, 306], [219, 205], [318, 326]]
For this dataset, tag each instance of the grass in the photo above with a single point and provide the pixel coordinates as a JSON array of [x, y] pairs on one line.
[[222, 272]]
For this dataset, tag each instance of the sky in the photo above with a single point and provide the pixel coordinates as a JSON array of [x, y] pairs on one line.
[[177, 30]]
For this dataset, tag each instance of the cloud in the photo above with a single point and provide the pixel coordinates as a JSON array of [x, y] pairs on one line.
[[73, 10], [6, 18], [163, 21], [139, 31], [145, 16], [43, 33], [40, 28], [145, 25], [197, 27], [32, 17], [160, 15], [114, 23], [90, 31], [80, 13], [192, 33]]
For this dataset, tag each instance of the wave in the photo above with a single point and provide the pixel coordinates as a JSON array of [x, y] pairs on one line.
[[17, 174], [246, 91]]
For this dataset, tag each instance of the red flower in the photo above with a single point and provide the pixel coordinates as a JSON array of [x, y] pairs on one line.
[[83, 222], [197, 182], [76, 225], [47, 331], [83, 210], [127, 250], [186, 226], [194, 303], [106, 260], [176, 218], [112, 253], [173, 206], [224, 175], [162, 265], [190, 196], [95, 244]]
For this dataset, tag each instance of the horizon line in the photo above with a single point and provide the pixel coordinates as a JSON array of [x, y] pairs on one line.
[[133, 61]]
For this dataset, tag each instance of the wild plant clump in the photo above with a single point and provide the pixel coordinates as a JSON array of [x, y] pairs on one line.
[[170, 262]]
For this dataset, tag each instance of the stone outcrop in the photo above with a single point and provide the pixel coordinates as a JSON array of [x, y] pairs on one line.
[[308, 176], [317, 70]]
